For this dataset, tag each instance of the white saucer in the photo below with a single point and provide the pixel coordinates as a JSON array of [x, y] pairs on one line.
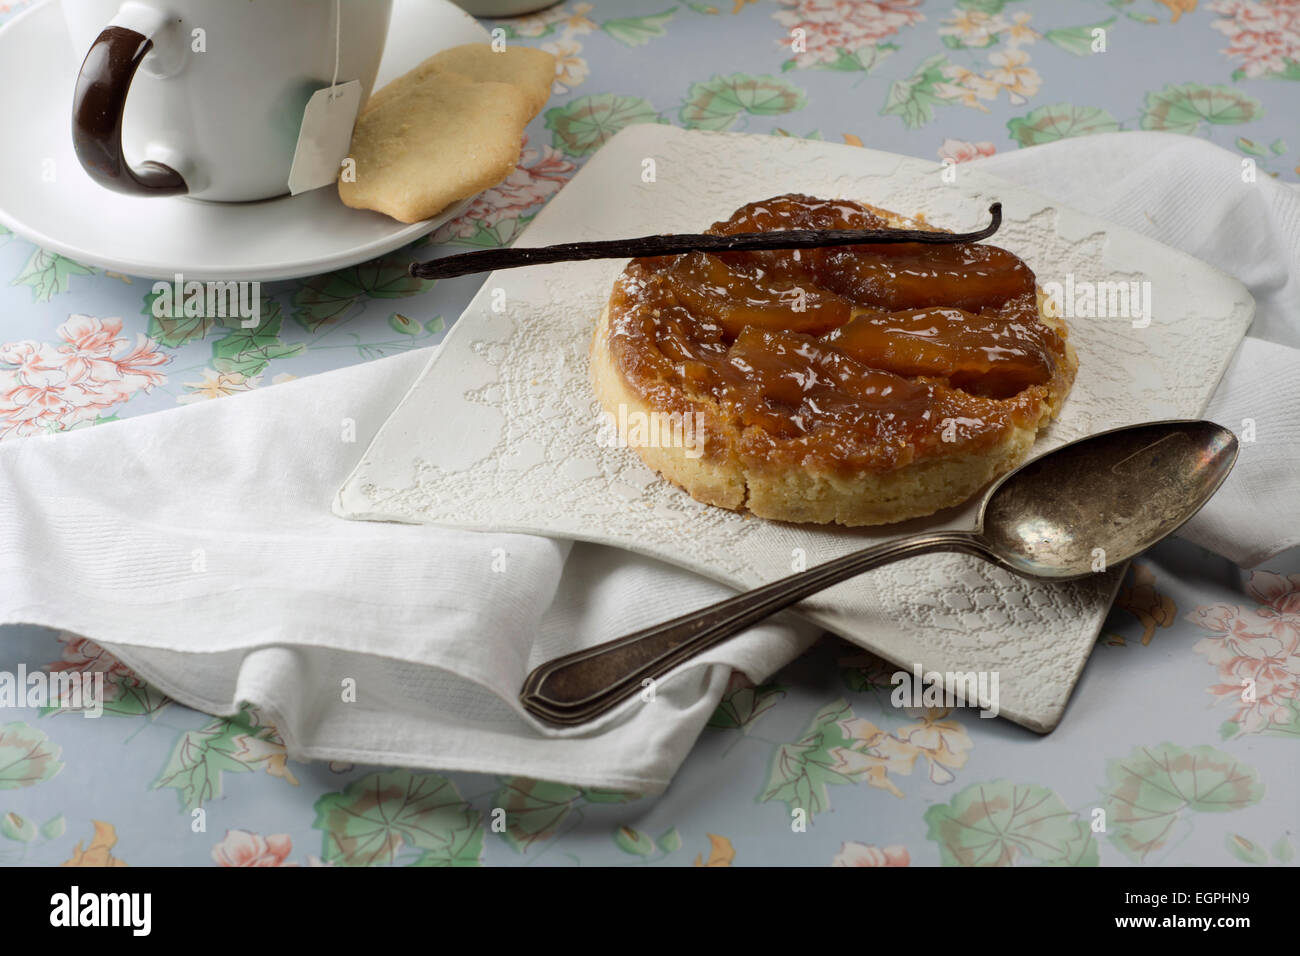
[[156, 238]]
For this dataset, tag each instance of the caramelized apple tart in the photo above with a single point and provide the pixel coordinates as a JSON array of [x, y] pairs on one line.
[[855, 384]]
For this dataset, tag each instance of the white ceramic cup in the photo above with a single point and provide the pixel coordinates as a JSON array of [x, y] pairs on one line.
[[205, 98]]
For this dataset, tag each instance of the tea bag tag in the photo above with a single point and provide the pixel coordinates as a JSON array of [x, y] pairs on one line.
[[325, 136]]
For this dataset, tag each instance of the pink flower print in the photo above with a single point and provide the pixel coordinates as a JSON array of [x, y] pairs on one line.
[[1281, 594], [862, 854], [81, 655], [960, 151], [46, 387], [85, 656], [1262, 35], [243, 848], [1263, 680], [1256, 651], [830, 26]]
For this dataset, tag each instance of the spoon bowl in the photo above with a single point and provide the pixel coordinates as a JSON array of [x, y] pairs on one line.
[[1105, 498]]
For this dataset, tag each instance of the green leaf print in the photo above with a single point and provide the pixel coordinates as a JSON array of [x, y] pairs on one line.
[[1060, 121], [225, 745], [135, 700], [741, 708], [1184, 107], [49, 274], [862, 60], [463, 849], [1148, 791], [716, 103], [26, 756], [54, 827], [1251, 148], [605, 795], [535, 809], [985, 6], [1247, 851], [1076, 40], [376, 817], [124, 696], [174, 330], [249, 351], [802, 770], [633, 841], [866, 58], [582, 126], [402, 325], [1004, 823], [670, 842], [17, 828], [1282, 850], [638, 31], [814, 134], [913, 99], [863, 672], [957, 43], [331, 297], [537, 31]]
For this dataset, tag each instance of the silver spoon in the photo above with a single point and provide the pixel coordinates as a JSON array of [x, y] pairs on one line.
[[1119, 491]]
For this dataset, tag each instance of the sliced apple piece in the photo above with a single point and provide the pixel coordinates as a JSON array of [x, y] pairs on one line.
[[781, 379], [991, 354], [910, 275], [735, 297]]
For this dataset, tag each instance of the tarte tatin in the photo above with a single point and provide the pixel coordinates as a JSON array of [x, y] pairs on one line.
[[860, 384]]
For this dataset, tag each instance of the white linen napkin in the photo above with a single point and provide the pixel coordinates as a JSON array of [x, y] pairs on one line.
[[198, 544]]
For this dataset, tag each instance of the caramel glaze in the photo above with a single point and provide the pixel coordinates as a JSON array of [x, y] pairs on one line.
[[839, 359]]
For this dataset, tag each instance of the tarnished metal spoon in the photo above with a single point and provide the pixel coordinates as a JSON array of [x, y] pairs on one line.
[[1086, 505]]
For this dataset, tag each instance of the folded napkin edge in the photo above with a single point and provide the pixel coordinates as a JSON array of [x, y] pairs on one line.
[[295, 749]]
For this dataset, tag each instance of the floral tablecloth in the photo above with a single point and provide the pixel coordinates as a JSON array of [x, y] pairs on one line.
[[1161, 758]]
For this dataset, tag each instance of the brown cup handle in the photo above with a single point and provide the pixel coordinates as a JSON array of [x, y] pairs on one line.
[[97, 109]]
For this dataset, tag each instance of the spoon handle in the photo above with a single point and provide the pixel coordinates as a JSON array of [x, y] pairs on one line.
[[577, 687]]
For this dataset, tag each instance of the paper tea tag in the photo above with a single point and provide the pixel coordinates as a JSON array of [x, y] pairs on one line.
[[325, 137]]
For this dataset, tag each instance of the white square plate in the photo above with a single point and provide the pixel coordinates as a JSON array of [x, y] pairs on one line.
[[501, 430]]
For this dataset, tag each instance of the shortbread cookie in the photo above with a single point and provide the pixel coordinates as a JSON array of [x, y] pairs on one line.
[[531, 70], [432, 140], [856, 384]]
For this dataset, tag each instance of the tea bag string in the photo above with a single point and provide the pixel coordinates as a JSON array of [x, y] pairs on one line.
[[338, 47]]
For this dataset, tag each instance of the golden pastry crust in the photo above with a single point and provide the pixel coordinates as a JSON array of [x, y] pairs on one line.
[[740, 460]]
